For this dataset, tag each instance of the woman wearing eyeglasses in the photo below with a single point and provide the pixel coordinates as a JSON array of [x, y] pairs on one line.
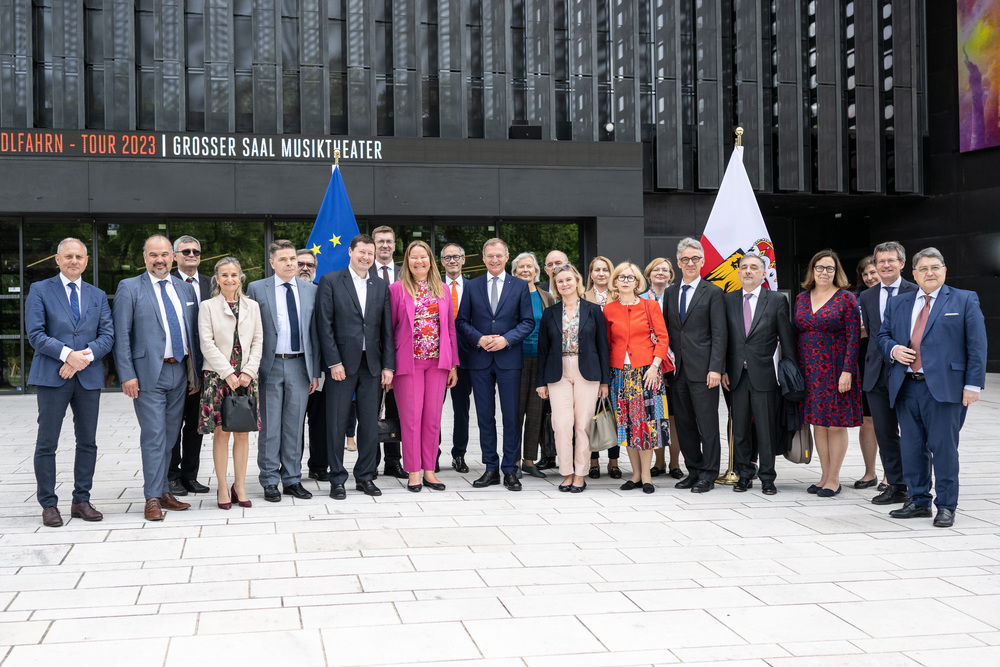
[[829, 327]]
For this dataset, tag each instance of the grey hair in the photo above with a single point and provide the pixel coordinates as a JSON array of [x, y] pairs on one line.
[[496, 241], [70, 239], [892, 246], [448, 245], [931, 252], [751, 255], [689, 243], [534, 261], [225, 261], [185, 239]]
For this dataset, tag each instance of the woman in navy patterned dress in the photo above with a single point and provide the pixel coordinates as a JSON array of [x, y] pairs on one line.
[[829, 326]]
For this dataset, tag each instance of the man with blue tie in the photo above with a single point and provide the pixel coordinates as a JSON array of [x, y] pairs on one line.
[[289, 367], [494, 316], [68, 323], [159, 361], [935, 342]]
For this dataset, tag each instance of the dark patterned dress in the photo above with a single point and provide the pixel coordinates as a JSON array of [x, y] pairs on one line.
[[214, 388], [828, 346]]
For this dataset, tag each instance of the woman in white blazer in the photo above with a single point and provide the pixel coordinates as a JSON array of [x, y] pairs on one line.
[[232, 337]]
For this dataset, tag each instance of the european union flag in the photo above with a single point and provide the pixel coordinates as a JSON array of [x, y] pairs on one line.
[[334, 228]]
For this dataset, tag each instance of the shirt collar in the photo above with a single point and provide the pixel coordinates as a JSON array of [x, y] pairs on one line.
[[66, 281], [158, 280], [756, 292], [357, 278], [933, 295], [693, 283], [279, 282], [502, 276], [896, 285]]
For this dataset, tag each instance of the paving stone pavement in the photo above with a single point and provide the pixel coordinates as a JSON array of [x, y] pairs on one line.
[[492, 577]]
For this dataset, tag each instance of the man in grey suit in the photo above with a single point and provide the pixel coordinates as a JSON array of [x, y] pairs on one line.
[[758, 320], [289, 368], [696, 324], [159, 360], [355, 331]]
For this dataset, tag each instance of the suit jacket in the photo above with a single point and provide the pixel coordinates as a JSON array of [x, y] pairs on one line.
[[770, 325], [952, 350], [403, 314], [204, 284], [872, 318], [262, 291], [513, 320], [699, 345], [141, 333], [341, 327], [593, 342], [216, 328], [48, 321]]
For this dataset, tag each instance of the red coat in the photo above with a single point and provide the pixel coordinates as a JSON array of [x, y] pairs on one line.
[[628, 331]]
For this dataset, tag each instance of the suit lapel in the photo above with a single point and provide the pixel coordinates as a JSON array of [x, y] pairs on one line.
[[59, 292], [348, 287], [702, 286], [147, 289], [272, 307], [942, 301], [762, 301], [370, 295], [508, 287]]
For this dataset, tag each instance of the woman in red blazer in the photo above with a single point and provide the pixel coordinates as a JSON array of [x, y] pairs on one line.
[[637, 336], [423, 324]]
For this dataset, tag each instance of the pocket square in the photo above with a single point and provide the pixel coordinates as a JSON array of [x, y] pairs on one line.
[[190, 303], [950, 314]]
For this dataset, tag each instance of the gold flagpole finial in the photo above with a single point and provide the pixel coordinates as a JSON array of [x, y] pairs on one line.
[[739, 136], [336, 158]]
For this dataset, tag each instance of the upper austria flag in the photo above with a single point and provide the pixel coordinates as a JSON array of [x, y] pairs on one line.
[[735, 228], [334, 228]]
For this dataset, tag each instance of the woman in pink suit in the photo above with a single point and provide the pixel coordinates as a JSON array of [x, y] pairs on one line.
[[423, 321]]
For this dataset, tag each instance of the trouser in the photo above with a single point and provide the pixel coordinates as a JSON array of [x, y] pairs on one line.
[[284, 393], [339, 396], [52, 404], [421, 397], [753, 412], [159, 411], [573, 400], [185, 456], [929, 442]]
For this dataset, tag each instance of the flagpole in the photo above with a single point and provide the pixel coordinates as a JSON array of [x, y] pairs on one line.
[[336, 159]]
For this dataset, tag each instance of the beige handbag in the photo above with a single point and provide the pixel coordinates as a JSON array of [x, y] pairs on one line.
[[603, 427]]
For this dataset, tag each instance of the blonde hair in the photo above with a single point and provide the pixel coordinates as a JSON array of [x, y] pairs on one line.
[[590, 270], [226, 261], [658, 260], [433, 275], [640, 280], [579, 280]]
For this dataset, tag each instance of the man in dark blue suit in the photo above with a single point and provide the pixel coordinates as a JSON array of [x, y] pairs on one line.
[[68, 323], [935, 342], [890, 258], [494, 316]]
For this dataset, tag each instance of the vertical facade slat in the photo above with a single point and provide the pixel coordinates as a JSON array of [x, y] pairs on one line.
[[220, 102], [831, 143], [266, 68], [16, 64], [907, 103], [451, 68], [870, 145], [752, 105], [406, 79], [625, 75], [793, 151], [709, 83], [538, 64], [497, 96], [667, 73], [68, 81], [314, 77], [360, 68], [582, 19], [168, 54]]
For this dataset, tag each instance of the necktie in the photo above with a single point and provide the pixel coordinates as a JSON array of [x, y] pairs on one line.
[[173, 323], [918, 333], [494, 297], [747, 314], [190, 280], [682, 311], [385, 273], [888, 295], [454, 298], [74, 303], [293, 318]]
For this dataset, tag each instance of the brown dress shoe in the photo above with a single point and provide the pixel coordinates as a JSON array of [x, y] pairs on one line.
[[85, 511], [170, 502], [153, 511], [51, 517]]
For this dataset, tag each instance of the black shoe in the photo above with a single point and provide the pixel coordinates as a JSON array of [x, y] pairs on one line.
[[395, 470], [338, 492], [768, 488], [829, 493], [813, 489], [703, 486], [656, 472], [686, 483], [458, 463], [629, 485], [510, 482], [322, 476], [414, 487], [882, 487], [577, 489], [676, 473], [533, 471], [298, 491], [369, 487], [648, 488], [866, 484], [271, 493], [945, 518], [910, 511], [743, 484], [595, 472], [891, 496], [194, 486], [546, 463], [176, 487], [437, 486], [565, 487], [614, 473], [489, 478]]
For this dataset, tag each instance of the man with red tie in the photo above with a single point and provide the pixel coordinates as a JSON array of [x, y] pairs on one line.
[[453, 259], [935, 341]]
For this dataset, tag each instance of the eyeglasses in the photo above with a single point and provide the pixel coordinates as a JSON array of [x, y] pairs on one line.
[[494, 256], [552, 265], [307, 265], [689, 260], [825, 269], [452, 258], [887, 262], [386, 242], [190, 251], [626, 279], [924, 269]]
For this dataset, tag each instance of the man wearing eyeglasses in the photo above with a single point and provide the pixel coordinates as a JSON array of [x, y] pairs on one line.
[[185, 457], [934, 340], [307, 265], [696, 324], [453, 259], [553, 260]]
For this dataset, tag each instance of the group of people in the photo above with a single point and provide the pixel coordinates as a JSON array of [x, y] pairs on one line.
[[379, 336]]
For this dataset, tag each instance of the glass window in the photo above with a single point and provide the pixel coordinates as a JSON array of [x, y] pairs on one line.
[[12, 375], [242, 239]]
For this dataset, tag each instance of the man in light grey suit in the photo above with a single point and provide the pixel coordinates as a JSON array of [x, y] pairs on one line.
[[289, 368], [159, 360]]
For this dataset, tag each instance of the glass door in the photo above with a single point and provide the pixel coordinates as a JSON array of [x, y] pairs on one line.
[[12, 375]]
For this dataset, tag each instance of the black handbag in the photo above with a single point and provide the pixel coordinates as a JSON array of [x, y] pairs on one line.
[[239, 412], [548, 436], [388, 429]]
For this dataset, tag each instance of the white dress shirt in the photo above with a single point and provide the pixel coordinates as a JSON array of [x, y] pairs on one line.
[[883, 296], [195, 283], [361, 287], [391, 266], [459, 285], [79, 295], [283, 344], [753, 300], [690, 292], [503, 278], [170, 350]]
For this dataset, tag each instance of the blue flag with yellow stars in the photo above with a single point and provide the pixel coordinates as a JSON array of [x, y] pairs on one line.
[[334, 228]]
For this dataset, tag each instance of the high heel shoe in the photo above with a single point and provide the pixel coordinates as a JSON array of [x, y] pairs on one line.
[[241, 503], [224, 506]]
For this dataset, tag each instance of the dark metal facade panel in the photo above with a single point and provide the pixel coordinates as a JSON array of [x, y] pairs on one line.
[[44, 186], [570, 192], [539, 83], [452, 49], [497, 96], [406, 75], [625, 75], [831, 139], [127, 187], [790, 75], [868, 117], [66, 79], [667, 73], [297, 189], [168, 71], [420, 190], [16, 85], [582, 19], [710, 85], [751, 74], [314, 76], [360, 68], [907, 103], [220, 101]]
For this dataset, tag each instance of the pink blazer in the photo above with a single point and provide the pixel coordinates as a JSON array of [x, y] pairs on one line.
[[403, 310]]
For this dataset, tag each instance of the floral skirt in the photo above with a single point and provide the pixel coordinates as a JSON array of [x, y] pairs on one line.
[[642, 413], [213, 390]]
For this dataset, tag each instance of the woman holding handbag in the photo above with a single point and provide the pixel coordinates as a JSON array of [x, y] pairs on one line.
[[572, 372], [637, 337], [232, 339]]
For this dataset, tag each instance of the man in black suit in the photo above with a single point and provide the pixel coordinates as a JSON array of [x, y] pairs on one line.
[[185, 457], [355, 332], [453, 259], [890, 257], [758, 321], [388, 271], [696, 323]]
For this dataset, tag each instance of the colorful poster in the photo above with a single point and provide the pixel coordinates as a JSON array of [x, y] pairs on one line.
[[978, 74]]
